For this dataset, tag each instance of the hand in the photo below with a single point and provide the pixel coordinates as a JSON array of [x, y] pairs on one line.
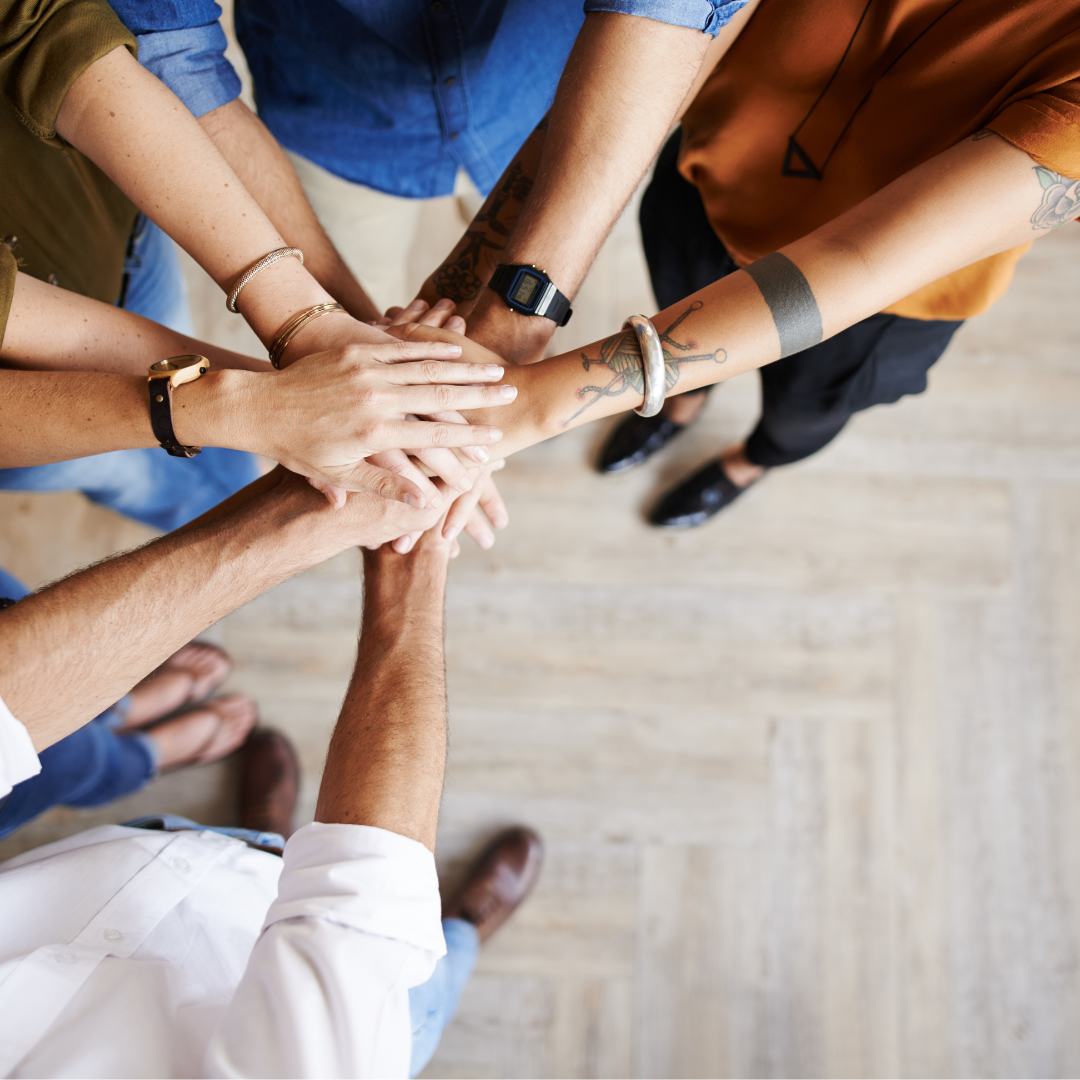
[[441, 313], [325, 414], [465, 513]]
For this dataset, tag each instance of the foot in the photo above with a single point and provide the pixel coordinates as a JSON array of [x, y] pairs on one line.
[[501, 878], [703, 495], [269, 783], [637, 438], [189, 675], [205, 734]]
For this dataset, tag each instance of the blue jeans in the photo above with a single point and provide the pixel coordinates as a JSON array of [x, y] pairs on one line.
[[91, 766], [432, 1004], [147, 485]]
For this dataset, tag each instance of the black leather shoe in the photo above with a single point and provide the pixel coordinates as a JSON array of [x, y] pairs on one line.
[[635, 440], [696, 499]]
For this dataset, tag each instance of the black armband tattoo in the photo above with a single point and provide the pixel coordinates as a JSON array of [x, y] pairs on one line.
[[791, 301]]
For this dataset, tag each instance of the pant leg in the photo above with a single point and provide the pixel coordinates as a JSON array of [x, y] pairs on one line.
[[11, 588], [89, 767], [807, 398], [154, 284], [432, 1005]]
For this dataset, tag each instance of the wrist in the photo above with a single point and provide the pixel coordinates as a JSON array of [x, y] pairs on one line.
[[521, 339], [276, 294], [220, 410]]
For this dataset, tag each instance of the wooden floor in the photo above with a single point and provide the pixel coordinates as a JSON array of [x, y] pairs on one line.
[[809, 778]]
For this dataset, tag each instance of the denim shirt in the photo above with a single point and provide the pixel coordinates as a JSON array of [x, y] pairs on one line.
[[394, 94]]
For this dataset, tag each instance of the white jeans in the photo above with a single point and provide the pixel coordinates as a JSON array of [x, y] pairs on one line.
[[390, 243]]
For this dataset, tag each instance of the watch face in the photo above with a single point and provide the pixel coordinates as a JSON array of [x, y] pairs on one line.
[[525, 289], [178, 363]]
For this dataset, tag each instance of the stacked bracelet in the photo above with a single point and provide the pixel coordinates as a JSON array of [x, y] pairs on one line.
[[652, 359], [257, 268], [293, 327]]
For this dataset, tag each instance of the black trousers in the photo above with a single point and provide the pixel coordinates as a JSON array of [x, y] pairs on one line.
[[808, 397]]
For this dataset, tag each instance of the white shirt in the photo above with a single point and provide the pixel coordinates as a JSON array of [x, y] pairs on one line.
[[18, 759], [129, 952]]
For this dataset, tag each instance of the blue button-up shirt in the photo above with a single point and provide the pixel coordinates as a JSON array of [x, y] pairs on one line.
[[394, 94]]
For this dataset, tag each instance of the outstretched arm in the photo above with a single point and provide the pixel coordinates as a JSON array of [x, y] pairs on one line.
[[627, 80], [388, 753], [979, 198]]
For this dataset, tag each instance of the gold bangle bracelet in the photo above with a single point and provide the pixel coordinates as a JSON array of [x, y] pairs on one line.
[[258, 267], [295, 325]]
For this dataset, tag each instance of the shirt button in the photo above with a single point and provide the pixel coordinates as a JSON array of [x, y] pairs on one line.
[[113, 935], [437, 6], [66, 958], [453, 135], [181, 864], [450, 81]]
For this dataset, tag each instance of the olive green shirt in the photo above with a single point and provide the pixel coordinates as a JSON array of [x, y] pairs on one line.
[[62, 218]]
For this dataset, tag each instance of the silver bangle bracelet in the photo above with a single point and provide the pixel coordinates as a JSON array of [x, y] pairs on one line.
[[257, 268], [652, 356]]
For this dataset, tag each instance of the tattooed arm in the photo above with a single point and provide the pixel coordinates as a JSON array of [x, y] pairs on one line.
[[979, 198]]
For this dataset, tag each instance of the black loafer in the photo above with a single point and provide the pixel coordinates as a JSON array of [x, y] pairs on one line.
[[635, 440], [696, 499]]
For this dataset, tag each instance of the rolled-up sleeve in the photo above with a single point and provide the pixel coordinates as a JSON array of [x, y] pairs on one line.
[[18, 759], [708, 16], [183, 44], [355, 925]]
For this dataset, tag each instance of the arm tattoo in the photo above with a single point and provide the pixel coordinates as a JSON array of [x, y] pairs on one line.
[[1060, 201], [457, 279], [621, 355], [791, 301]]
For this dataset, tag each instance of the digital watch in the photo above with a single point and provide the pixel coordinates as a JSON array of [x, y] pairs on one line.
[[529, 291]]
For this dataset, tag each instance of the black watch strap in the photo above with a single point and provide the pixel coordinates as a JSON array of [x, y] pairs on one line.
[[552, 303], [161, 420]]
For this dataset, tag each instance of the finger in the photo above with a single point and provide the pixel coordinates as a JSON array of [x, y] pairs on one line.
[[415, 491], [335, 495], [491, 502], [403, 316], [458, 325], [422, 434], [446, 465], [398, 351], [439, 313], [397, 463], [407, 371], [455, 549], [476, 455], [404, 544], [441, 397], [458, 514], [477, 527]]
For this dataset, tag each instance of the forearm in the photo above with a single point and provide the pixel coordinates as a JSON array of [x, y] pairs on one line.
[[266, 172], [49, 416], [71, 650], [138, 132], [622, 87], [971, 202], [51, 329], [466, 270], [387, 757]]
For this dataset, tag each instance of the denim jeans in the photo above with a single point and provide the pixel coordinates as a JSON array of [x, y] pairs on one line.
[[147, 485]]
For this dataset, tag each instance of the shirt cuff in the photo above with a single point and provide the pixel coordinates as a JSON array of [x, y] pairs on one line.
[[18, 758], [708, 16], [365, 878], [191, 63]]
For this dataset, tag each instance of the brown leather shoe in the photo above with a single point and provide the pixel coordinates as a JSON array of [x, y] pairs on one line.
[[500, 879], [269, 782]]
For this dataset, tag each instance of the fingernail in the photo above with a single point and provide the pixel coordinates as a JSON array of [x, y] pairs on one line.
[[435, 503], [486, 541], [495, 433], [493, 370], [480, 454], [417, 305], [450, 532], [464, 484], [403, 544], [508, 392], [411, 500], [450, 350], [444, 303]]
